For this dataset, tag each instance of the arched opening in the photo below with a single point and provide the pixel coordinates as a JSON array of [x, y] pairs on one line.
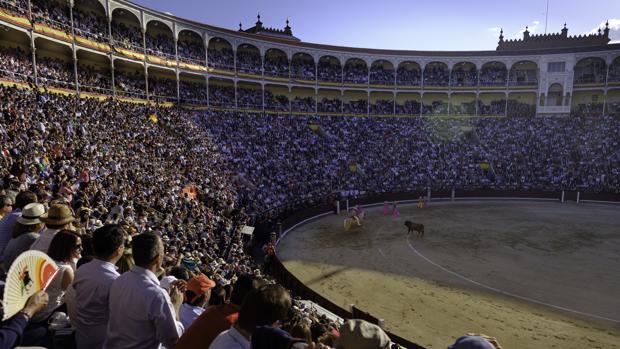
[[90, 20], [192, 89], [52, 14], [329, 101], [276, 63], [464, 74], [523, 73], [220, 54], [612, 105], [588, 103], [436, 74], [435, 104], [355, 102], [355, 71], [126, 32], [94, 72], [249, 95], [249, 60], [303, 100], [381, 103], [191, 47], [408, 74], [493, 74], [408, 103], [329, 69], [521, 105], [555, 95], [592, 70], [15, 48], [129, 79], [463, 104], [54, 64], [221, 93], [303, 67], [382, 73], [492, 104], [614, 71], [162, 85], [159, 40], [276, 98]]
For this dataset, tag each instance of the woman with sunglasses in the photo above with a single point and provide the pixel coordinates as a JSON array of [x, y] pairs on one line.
[[65, 249]]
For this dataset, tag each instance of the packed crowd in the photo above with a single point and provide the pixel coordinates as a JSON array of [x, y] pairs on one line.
[[222, 58], [162, 89], [249, 61], [16, 63], [52, 14], [277, 66], [191, 50], [356, 73], [380, 75], [159, 44], [90, 24], [55, 72], [127, 36], [94, 79], [192, 92], [303, 104], [130, 84], [276, 102]]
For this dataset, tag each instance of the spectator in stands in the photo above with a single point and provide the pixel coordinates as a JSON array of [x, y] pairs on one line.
[[360, 334], [12, 330], [142, 314], [219, 318], [92, 287], [25, 232], [65, 249], [6, 205], [263, 307], [58, 217], [197, 295], [7, 223]]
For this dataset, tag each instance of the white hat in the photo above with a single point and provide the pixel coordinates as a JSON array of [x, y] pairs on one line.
[[31, 213], [166, 281]]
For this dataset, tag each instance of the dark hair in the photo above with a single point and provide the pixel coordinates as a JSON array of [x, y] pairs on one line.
[[20, 229], [218, 295], [24, 198], [107, 239], [245, 284], [145, 248], [63, 243], [264, 306], [83, 260], [5, 200], [179, 272]]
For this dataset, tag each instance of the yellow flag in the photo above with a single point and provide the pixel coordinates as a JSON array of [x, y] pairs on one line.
[[153, 118]]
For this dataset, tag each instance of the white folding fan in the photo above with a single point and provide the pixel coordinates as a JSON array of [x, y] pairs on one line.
[[31, 272]]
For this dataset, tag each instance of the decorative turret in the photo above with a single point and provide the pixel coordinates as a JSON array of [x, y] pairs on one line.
[[501, 35], [606, 31], [240, 27], [259, 29], [287, 29], [553, 40], [564, 31]]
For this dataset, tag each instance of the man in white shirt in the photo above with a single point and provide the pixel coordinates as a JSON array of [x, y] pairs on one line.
[[197, 295], [58, 217], [91, 287], [142, 314], [263, 307]]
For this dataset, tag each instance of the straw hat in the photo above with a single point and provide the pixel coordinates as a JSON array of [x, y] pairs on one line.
[[58, 214], [31, 214]]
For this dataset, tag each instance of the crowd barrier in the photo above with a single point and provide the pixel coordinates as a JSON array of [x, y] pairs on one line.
[[290, 220]]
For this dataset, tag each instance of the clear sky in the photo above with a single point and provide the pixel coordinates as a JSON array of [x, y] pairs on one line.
[[403, 24]]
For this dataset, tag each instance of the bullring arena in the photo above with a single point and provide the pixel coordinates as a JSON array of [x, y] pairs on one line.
[[535, 274]]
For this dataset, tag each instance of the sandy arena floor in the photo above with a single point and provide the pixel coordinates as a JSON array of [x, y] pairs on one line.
[[532, 274]]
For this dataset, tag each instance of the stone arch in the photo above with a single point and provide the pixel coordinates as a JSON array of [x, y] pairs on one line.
[[355, 71], [493, 73], [382, 72], [409, 73], [464, 74], [249, 59], [276, 63], [303, 66], [329, 69], [436, 74], [555, 94], [523, 73], [590, 70]]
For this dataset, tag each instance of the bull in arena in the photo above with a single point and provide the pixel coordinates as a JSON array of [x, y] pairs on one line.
[[415, 227]]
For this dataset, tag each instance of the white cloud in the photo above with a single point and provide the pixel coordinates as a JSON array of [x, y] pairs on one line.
[[532, 28], [614, 29], [494, 31]]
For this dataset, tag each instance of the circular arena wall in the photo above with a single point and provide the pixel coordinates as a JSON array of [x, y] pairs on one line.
[[310, 264]]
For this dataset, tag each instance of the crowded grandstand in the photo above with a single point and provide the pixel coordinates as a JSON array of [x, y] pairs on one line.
[[138, 150]]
